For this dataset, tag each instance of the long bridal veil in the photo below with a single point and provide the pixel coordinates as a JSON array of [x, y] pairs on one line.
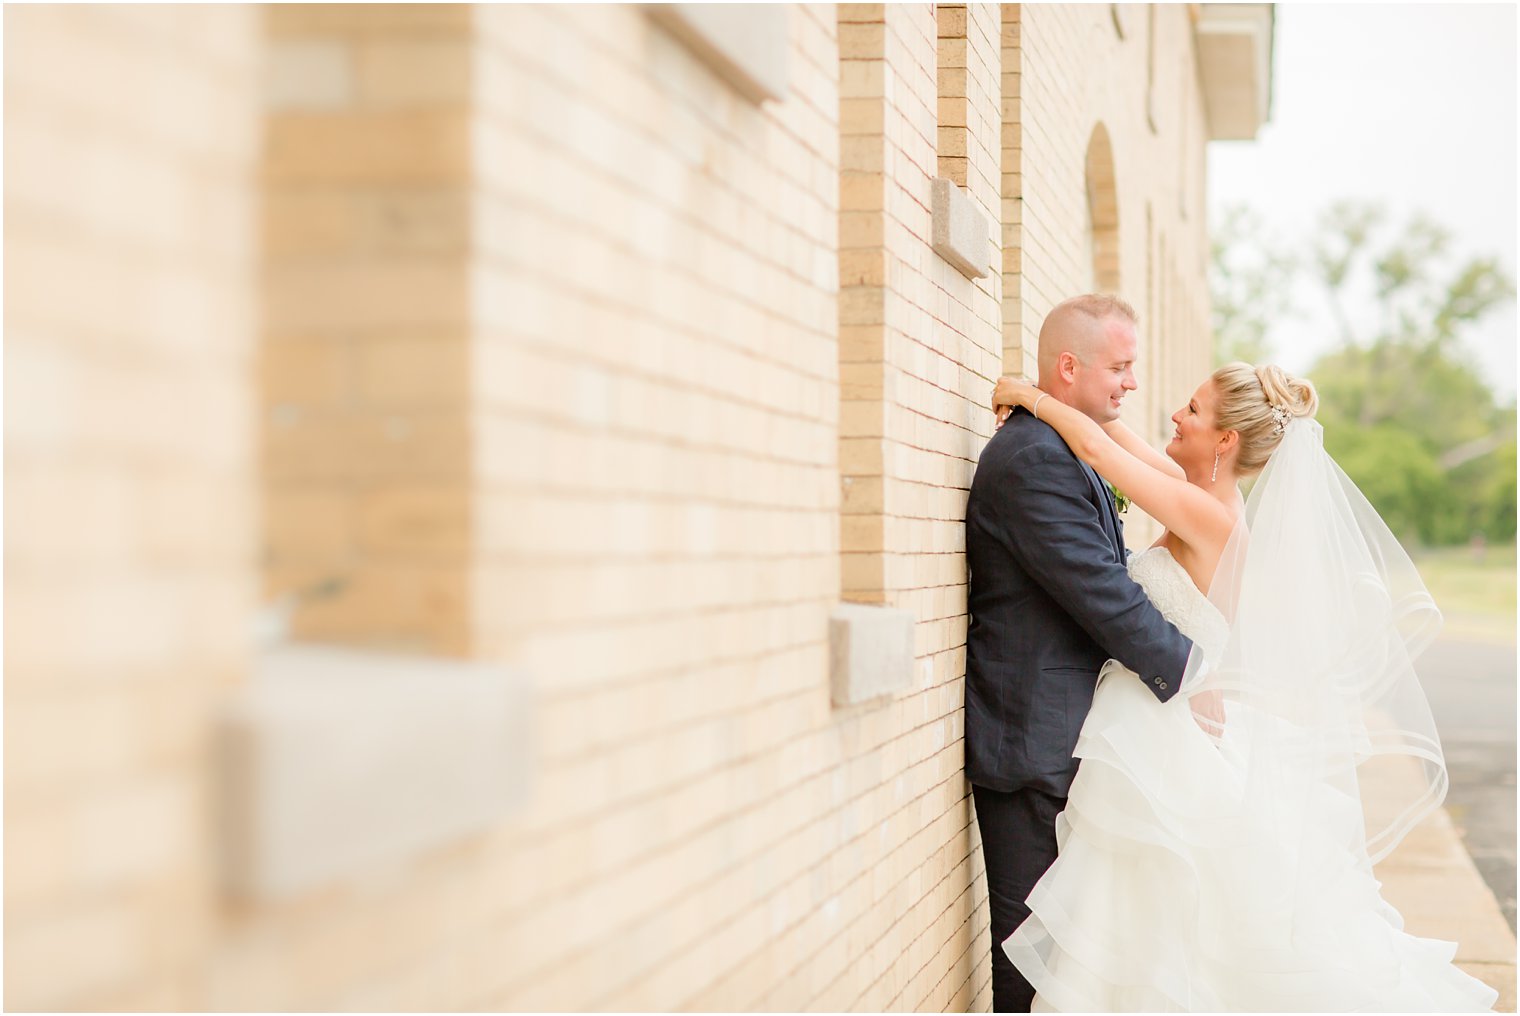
[[1334, 740]]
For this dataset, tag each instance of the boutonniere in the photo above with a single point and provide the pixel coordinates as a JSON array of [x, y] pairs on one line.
[[1121, 499]]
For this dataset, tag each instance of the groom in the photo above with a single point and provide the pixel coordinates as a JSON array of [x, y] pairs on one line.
[[1050, 601]]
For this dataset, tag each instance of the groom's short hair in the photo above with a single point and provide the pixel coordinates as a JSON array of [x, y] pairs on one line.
[[1072, 326]]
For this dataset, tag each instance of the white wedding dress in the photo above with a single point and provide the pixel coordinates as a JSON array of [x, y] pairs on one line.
[[1170, 894]]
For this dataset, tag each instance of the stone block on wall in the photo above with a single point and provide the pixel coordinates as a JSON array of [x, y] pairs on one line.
[[962, 231], [746, 44], [307, 75], [334, 761], [870, 652]]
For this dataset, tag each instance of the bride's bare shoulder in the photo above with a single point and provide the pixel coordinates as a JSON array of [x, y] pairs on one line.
[[1199, 562]]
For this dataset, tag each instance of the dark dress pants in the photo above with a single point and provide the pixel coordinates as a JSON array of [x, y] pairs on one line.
[[1018, 843]]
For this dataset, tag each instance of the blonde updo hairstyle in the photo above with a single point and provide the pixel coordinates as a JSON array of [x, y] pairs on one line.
[[1245, 399]]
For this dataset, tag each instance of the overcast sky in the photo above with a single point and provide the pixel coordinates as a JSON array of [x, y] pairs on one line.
[[1413, 105]]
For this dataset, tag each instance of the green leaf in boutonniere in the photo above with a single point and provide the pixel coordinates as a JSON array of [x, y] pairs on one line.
[[1121, 499]]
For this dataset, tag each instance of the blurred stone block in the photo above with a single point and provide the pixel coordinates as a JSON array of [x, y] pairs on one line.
[[962, 232], [870, 652], [307, 75], [745, 44], [336, 760]]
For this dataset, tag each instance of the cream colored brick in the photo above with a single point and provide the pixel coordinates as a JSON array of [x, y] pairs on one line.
[[312, 526], [862, 268], [96, 625], [65, 515], [862, 41], [305, 373], [187, 517], [952, 20], [398, 294], [856, 13], [402, 372], [952, 142], [136, 831], [38, 863], [862, 116], [76, 952], [61, 740], [402, 221], [408, 608], [953, 110], [430, 444], [306, 222], [860, 230], [414, 522], [357, 149], [165, 391], [402, 73], [953, 53], [407, 20]]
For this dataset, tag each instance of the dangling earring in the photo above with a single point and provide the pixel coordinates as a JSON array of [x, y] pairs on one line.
[[1215, 475]]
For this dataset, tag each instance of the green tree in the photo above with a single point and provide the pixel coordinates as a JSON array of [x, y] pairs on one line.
[[1498, 518], [1400, 476], [1249, 287], [1413, 298], [1410, 421]]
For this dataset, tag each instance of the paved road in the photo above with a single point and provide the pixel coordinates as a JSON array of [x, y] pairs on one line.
[[1471, 686]]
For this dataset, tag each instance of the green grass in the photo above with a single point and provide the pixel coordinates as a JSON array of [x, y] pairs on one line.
[[1476, 595]]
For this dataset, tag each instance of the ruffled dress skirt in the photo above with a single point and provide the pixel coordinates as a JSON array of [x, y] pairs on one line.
[[1168, 897]]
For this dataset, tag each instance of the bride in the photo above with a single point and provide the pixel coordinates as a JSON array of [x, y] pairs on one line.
[[1216, 850]]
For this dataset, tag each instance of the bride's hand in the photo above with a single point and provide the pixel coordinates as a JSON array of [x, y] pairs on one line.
[[1010, 392], [1208, 711]]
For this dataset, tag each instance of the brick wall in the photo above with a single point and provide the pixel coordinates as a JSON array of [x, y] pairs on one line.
[[664, 563], [130, 138], [365, 383], [570, 358]]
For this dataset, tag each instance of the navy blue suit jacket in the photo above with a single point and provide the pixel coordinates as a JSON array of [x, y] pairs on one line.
[[1050, 600]]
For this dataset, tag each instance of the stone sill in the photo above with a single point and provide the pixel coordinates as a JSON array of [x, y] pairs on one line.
[[962, 232], [747, 45], [870, 652], [335, 761]]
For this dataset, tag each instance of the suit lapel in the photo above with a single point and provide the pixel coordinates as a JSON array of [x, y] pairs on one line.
[[1113, 519], [1110, 513], [1105, 498]]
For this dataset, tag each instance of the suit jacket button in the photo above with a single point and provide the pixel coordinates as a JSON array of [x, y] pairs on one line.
[[1162, 685]]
